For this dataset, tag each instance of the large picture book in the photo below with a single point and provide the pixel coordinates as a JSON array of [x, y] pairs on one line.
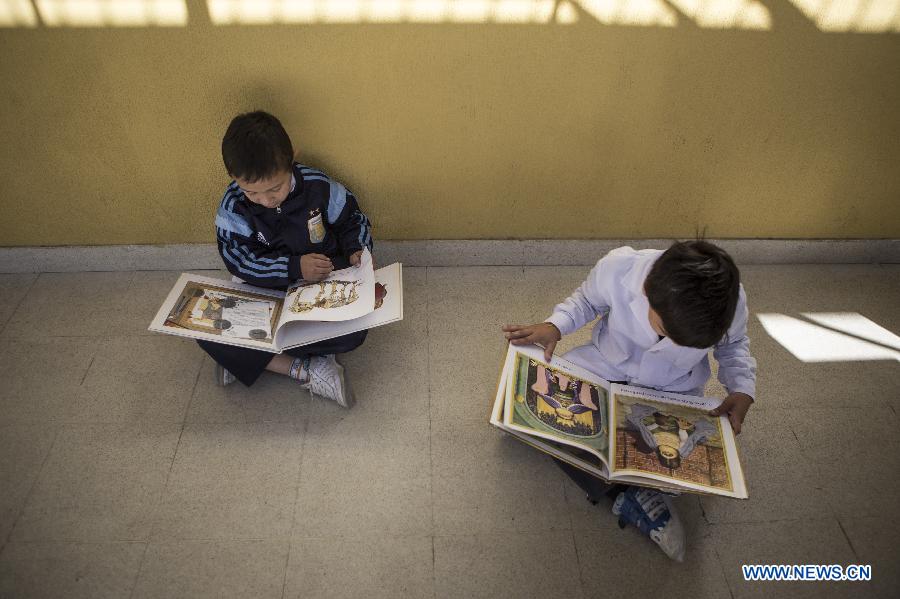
[[348, 300], [618, 433]]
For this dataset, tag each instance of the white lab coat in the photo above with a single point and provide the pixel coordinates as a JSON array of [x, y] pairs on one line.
[[624, 347]]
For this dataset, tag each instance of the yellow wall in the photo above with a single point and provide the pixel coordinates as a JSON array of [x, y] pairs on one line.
[[111, 135]]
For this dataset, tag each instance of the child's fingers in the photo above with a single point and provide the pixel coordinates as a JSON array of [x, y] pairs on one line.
[[735, 423], [518, 334], [548, 350]]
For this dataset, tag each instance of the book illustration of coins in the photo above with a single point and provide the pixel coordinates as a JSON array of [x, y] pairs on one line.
[[226, 312], [330, 294]]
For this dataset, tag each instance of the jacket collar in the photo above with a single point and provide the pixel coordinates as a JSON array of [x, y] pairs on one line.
[[291, 203], [633, 282]]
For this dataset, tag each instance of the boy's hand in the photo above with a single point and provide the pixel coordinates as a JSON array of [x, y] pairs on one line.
[[736, 406], [355, 257], [315, 267], [545, 334]]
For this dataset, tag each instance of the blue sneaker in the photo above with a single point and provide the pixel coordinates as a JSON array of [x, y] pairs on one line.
[[653, 514]]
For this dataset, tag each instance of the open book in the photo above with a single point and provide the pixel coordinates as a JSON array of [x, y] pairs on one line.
[[618, 433], [349, 300]]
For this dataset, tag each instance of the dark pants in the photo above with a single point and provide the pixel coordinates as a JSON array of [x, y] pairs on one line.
[[595, 488], [247, 364]]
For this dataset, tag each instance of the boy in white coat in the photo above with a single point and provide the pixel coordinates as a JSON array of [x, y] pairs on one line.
[[660, 314]]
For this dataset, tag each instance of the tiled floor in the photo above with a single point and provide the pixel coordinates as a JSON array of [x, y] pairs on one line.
[[125, 472]]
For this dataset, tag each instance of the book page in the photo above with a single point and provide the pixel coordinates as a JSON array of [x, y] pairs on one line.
[[670, 438], [220, 311], [558, 401], [344, 295], [571, 455], [388, 308]]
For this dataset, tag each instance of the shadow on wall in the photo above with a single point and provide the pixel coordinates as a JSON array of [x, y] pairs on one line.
[[863, 16]]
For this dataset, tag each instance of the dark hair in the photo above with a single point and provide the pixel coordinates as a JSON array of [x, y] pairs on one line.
[[256, 146], [694, 287]]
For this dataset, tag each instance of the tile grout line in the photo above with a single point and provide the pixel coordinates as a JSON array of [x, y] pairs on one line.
[[430, 433], [723, 572], [19, 304], [849, 542], [299, 478], [159, 504], [87, 370], [31, 489]]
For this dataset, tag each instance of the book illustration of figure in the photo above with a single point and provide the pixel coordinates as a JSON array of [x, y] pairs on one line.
[[679, 442], [380, 294], [672, 437], [563, 403], [341, 293]]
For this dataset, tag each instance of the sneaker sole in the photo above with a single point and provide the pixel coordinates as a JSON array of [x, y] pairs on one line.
[[346, 393], [220, 376]]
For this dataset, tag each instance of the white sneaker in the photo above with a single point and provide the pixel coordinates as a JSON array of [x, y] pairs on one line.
[[652, 513], [223, 377], [326, 379]]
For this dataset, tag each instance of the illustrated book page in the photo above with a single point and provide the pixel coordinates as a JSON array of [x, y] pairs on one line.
[[345, 294], [578, 458], [557, 402], [221, 311], [671, 438], [388, 308]]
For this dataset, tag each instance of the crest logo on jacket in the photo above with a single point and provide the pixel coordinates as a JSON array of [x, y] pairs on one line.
[[315, 226], [262, 238]]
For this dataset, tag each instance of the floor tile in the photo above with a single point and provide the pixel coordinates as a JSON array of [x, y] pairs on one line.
[[13, 288], [374, 567], [23, 449], [483, 502], [506, 564], [231, 482], [357, 445], [41, 377], [788, 542], [848, 450], [71, 570], [89, 304], [875, 541], [330, 503], [220, 569], [99, 483], [138, 379]]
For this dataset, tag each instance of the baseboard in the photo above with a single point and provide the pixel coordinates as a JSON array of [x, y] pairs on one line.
[[474, 252]]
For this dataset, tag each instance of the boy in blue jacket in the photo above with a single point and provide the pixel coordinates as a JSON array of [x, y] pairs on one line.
[[278, 222]]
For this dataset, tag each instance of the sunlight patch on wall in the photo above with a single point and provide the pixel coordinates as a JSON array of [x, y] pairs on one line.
[[863, 16], [630, 12], [726, 14], [832, 337], [113, 13], [228, 12], [17, 13], [620, 12]]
